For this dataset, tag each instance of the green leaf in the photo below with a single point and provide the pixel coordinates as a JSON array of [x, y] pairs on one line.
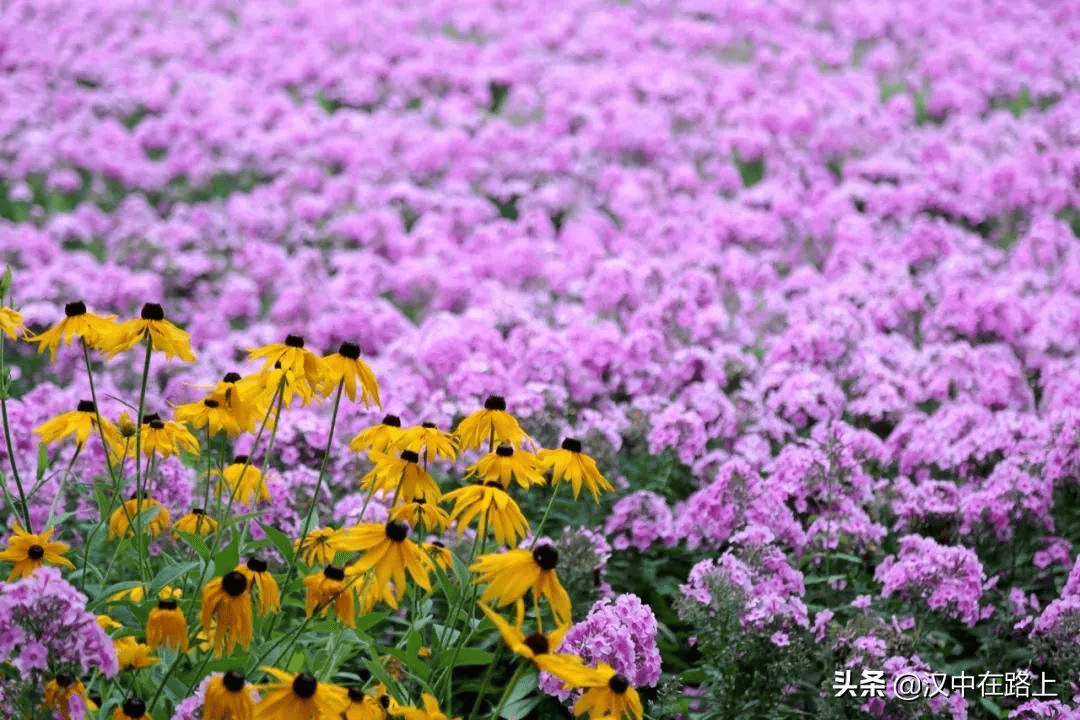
[[228, 558], [197, 543], [523, 698], [169, 573], [282, 543], [42, 461], [467, 656]]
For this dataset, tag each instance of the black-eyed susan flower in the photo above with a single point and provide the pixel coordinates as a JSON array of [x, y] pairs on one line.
[[300, 697], [388, 549], [373, 706], [82, 423], [134, 594], [132, 655], [152, 326], [419, 512], [493, 506], [569, 463], [11, 323], [490, 426], [257, 574], [29, 551], [166, 438], [265, 384], [430, 711], [540, 648], [368, 592], [166, 625], [168, 592], [429, 442], [403, 476], [227, 697], [319, 546], [240, 399], [227, 600], [77, 323], [243, 481], [328, 589], [61, 689], [345, 366], [379, 438], [608, 695], [511, 574], [209, 413], [439, 554], [121, 519], [290, 357], [132, 709], [106, 623], [196, 522], [507, 465]]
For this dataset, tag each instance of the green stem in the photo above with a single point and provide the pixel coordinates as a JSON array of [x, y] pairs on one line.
[[7, 439], [484, 682], [139, 544], [543, 519], [325, 460], [509, 689]]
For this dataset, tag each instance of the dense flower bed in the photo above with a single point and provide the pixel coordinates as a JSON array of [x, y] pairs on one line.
[[803, 276]]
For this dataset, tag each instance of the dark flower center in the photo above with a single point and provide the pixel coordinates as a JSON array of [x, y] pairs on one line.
[[419, 500], [571, 444], [75, 309], [235, 584], [618, 684], [410, 456], [384, 700], [231, 377], [35, 552], [428, 425], [256, 565], [294, 341], [167, 605], [233, 681], [157, 425], [493, 484], [333, 572], [392, 421], [210, 403], [198, 511], [436, 543], [356, 694], [87, 406], [546, 557], [240, 460], [134, 708], [304, 686], [396, 531], [505, 451], [495, 402], [150, 417], [349, 350], [538, 644], [152, 311], [64, 679]]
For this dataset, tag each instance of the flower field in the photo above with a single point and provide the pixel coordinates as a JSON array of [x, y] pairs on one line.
[[491, 359]]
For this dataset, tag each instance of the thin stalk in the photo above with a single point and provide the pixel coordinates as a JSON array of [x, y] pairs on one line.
[[509, 689], [543, 519], [60, 487], [484, 682], [325, 460], [139, 544], [7, 439]]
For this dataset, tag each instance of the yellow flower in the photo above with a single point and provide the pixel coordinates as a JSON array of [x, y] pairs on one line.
[[241, 398], [430, 712], [380, 438], [368, 592], [150, 325], [506, 466], [531, 646], [494, 507], [60, 690], [105, 622], [227, 698], [405, 471], [134, 594], [131, 654], [511, 574], [300, 697], [440, 555], [196, 522], [166, 437], [77, 323], [166, 625], [492, 425], [269, 594], [434, 442], [306, 368], [320, 546], [369, 707], [168, 592], [244, 481], [11, 323], [81, 422], [132, 709], [209, 413], [568, 463], [609, 696], [227, 601], [263, 386], [28, 552], [390, 552], [346, 366], [328, 588], [120, 524], [421, 512]]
